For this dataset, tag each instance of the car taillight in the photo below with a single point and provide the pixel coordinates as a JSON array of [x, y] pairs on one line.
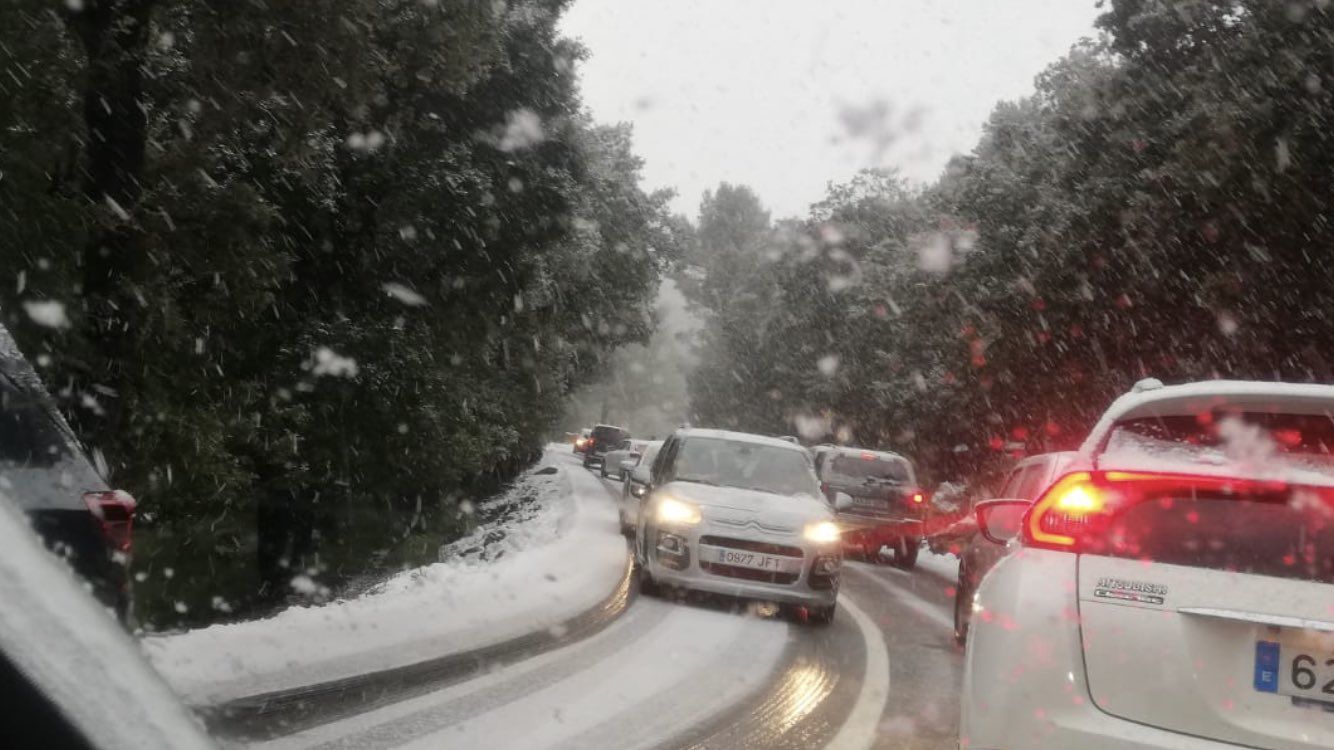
[[824, 487], [1076, 511], [918, 498], [114, 512]]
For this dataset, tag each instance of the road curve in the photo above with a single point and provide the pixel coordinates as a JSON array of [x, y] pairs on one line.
[[703, 673]]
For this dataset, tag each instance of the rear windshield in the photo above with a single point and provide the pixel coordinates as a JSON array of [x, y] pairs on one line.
[[858, 468], [1285, 443], [731, 463], [608, 434], [1290, 537]]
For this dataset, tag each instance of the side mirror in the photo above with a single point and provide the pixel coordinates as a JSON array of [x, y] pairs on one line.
[[842, 501], [627, 465], [639, 475], [999, 520]]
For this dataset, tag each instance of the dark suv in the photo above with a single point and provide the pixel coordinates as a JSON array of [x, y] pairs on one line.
[[45, 472], [604, 439], [878, 501]]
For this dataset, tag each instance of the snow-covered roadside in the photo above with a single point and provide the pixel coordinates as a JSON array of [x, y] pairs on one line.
[[562, 561]]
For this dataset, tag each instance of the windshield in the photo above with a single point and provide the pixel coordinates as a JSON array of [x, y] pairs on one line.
[[858, 468], [731, 463], [367, 339]]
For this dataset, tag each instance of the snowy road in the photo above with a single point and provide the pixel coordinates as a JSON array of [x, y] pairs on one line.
[[701, 674]]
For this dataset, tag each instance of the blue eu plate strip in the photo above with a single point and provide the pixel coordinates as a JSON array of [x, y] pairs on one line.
[[1266, 666]]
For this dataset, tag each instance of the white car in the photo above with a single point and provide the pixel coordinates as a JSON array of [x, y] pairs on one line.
[[626, 450], [740, 515], [1174, 588]]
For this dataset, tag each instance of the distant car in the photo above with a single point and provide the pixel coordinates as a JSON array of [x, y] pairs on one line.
[[604, 439], [740, 515], [1028, 479], [1173, 587], [45, 470], [878, 501], [71, 677], [581, 442], [626, 449], [634, 487]]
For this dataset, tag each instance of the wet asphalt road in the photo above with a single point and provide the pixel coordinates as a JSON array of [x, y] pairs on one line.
[[705, 673]]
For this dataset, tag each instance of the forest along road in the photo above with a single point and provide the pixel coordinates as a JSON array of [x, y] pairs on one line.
[[706, 673]]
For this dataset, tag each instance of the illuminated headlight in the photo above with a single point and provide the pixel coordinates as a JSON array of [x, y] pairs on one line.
[[822, 532], [673, 511], [638, 490]]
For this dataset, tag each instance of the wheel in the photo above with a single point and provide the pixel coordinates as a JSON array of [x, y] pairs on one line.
[[603, 470], [963, 611], [905, 552], [647, 586], [626, 529], [816, 616]]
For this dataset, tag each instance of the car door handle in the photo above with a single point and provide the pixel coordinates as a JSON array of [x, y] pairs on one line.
[[1259, 618]]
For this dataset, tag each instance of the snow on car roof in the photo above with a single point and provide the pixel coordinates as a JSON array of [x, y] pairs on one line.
[[742, 437], [879, 453], [1194, 398]]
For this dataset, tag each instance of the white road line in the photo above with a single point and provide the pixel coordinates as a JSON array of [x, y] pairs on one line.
[[926, 608], [859, 730]]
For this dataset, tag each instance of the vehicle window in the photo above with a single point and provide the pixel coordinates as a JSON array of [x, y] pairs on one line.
[[1010, 489], [732, 463], [28, 436], [1030, 481], [861, 467]]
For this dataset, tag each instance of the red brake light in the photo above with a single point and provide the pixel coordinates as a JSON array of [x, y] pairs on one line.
[[114, 512], [868, 456], [1078, 507], [918, 497]]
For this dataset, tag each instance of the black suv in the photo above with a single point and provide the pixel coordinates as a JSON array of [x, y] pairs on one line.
[[605, 438], [45, 472]]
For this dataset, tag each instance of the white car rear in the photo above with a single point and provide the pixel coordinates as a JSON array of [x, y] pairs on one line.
[[1175, 589]]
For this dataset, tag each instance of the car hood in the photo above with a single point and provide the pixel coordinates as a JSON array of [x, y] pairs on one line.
[[735, 505]]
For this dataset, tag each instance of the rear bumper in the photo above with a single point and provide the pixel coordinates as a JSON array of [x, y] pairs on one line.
[[1091, 729]]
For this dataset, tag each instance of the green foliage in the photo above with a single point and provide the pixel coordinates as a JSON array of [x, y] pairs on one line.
[[330, 267]]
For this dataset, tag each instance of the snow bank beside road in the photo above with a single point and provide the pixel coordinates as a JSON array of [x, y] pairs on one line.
[[558, 562]]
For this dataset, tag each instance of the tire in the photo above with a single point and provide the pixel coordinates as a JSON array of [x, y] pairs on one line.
[[962, 611], [603, 469], [906, 550], [819, 617], [648, 586]]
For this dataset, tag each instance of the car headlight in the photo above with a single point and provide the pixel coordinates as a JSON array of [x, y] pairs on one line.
[[671, 510], [822, 532]]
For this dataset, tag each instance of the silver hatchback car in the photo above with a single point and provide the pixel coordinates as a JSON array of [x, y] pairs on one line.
[[740, 515]]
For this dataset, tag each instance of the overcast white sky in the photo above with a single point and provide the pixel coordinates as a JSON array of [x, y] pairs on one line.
[[787, 95]]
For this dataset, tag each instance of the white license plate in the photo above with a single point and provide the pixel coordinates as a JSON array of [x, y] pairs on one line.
[[1303, 670], [753, 560]]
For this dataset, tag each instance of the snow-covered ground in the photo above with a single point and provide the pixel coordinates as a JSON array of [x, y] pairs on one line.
[[660, 670], [557, 562]]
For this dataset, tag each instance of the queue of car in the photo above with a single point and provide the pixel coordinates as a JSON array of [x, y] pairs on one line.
[[1167, 585]]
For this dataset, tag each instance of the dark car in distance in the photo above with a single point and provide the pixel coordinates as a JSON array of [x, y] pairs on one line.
[[603, 440], [46, 473], [878, 501]]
